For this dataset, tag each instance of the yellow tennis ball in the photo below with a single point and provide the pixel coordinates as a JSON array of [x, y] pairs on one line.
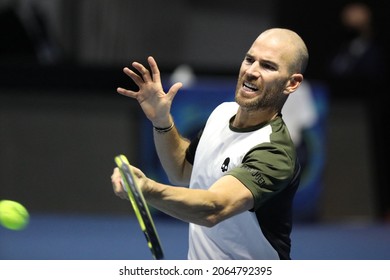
[[13, 215]]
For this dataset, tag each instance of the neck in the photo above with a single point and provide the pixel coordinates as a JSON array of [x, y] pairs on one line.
[[246, 119]]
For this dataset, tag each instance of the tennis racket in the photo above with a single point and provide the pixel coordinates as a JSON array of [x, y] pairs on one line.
[[140, 207]]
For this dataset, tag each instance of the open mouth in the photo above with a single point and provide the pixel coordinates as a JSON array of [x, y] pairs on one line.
[[250, 87]]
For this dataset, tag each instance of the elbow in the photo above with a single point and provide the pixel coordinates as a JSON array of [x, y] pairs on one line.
[[179, 179], [216, 212], [181, 176], [211, 221]]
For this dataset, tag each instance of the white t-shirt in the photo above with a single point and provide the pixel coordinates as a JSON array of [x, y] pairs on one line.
[[222, 150]]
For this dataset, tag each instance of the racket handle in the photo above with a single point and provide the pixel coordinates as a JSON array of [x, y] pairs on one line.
[[123, 186]]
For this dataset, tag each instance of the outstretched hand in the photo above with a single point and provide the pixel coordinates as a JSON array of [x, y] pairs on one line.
[[155, 103]]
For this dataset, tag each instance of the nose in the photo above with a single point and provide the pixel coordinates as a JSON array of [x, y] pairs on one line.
[[254, 69]]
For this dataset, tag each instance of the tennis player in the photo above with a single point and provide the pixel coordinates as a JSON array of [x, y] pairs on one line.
[[234, 183]]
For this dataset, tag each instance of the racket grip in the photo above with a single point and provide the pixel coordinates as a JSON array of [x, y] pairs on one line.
[[123, 186]]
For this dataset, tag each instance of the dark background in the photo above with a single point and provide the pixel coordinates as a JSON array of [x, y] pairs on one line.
[[319, 24]]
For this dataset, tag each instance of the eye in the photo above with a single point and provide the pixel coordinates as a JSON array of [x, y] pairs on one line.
[[268, 66], [249, 60]]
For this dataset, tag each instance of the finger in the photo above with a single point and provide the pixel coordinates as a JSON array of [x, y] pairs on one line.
[[143, 71], [155, 70], [116, 186], [134, 76], [126, 92], [116, 181]]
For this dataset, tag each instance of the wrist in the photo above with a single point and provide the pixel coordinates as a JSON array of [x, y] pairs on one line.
[[163, 124], [164, 129]]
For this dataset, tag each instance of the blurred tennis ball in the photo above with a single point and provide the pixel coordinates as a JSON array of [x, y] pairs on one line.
[[13, 215]]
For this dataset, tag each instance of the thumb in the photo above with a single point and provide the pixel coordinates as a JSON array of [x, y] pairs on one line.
[[137, 172], [174, 89]]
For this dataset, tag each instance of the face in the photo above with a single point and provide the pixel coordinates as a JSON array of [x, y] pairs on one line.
[[264, 75]]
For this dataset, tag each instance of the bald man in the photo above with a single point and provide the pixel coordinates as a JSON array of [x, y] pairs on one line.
[[235, 182]]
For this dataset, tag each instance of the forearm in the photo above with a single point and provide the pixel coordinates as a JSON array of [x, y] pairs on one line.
[[189, 205], [171, 149]]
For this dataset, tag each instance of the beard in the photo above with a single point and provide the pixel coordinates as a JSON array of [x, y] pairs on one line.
[[266, 98]]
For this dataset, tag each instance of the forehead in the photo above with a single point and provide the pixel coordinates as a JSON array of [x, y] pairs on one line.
[[273, 48]]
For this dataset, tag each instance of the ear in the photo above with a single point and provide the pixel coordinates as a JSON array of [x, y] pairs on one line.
[[293, 83]]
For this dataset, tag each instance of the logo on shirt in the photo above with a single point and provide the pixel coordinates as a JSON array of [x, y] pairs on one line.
[[256, 175], [225, 164]]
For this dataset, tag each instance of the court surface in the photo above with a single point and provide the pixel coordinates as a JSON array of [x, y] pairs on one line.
[[94, 237]]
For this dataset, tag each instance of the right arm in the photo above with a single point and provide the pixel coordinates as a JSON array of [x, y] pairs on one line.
[[223, 199], [156, 104]]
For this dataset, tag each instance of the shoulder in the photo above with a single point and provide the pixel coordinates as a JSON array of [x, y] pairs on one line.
[[226, 107]]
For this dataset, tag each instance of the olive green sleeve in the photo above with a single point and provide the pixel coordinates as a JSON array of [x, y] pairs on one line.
[[265, 170]]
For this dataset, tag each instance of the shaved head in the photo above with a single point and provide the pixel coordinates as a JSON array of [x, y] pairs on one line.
[[294, 45]]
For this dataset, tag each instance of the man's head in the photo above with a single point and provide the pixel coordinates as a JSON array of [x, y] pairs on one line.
[[356, 19], [272, 69]]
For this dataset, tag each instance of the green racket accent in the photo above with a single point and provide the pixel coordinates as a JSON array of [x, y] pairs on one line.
[[140, 207]]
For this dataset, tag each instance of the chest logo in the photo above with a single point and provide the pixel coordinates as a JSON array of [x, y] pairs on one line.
[[225, 164]]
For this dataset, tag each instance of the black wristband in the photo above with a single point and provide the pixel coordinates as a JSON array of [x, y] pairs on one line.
[[164, 129]]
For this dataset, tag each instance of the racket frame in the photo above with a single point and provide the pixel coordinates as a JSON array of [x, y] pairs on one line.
[[140, 207]]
